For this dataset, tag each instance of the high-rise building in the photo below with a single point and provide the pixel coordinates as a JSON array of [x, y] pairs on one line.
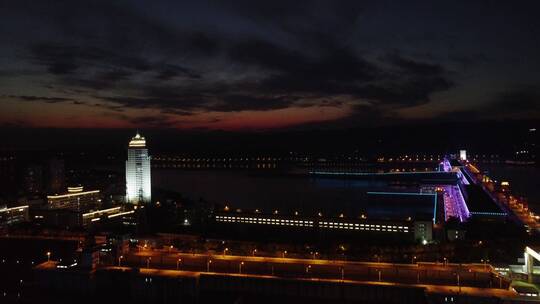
[[56, 176], [138, 184], [33, 179], [462, 154]]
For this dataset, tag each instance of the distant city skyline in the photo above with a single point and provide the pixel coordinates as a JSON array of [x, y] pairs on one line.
[[241, 66]]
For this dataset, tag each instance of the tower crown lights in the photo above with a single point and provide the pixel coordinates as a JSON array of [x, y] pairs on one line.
[[137, 142]]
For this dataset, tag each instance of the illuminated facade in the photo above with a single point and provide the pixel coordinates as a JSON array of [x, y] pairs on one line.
[[419, 230], [75, 199], [14, 215], [97, 215], [463, 154], [138, 182]]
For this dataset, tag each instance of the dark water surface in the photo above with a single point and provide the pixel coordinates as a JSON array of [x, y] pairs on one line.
[[250, 190], [242, 189]]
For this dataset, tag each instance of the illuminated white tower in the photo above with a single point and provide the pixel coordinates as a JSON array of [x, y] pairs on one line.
[[138, 184]]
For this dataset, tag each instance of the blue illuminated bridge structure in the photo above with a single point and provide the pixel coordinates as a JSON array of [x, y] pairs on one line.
[[461, 197]]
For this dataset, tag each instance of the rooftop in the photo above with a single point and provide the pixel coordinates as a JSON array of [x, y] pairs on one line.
[[480, 203], [137, 141]]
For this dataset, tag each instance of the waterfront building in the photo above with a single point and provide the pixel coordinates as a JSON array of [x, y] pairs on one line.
[[138, 181], [70, 218], [13, 215], [75, 198], [404, 216]]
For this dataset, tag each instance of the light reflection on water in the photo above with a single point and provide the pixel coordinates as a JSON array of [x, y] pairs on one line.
[[242, 189]]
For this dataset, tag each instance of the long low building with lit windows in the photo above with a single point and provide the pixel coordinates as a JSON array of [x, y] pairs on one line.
[[76, 198], [76, 219], [13, 215], [408, 216]]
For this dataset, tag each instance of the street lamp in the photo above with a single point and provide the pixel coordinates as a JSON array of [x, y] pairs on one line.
[[308, 268], [444, 263], [253, 252], [413, 259], [170, 248], [48, 256], [485, 262], [240, 267], [379, 271], [458, 282], [178, 263], [283, 253], [120, 260], [208, 265], [225, 251]]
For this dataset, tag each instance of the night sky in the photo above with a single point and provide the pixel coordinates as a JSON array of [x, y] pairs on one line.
[[258, 65]]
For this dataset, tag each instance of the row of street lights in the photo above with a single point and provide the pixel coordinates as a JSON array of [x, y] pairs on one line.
[[308, 268]]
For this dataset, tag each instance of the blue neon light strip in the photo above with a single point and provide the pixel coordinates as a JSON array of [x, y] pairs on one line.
[[489, 213], [400, 193], [374, 173], [415, 194]]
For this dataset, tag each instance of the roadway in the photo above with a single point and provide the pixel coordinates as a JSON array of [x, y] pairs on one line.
[[512, 211], [472, 275], [434, 289]]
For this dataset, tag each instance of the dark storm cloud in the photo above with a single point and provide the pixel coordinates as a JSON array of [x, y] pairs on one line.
[[406, 92], [40, 98], [169, 71], [288, 77], [322, 67], [339, 70], [415, 67], [186, 105], [184, 58], [155, 121], [177, 102], [177, 112], [232, 103], [64, 59], [110, 57], [74, 57]]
